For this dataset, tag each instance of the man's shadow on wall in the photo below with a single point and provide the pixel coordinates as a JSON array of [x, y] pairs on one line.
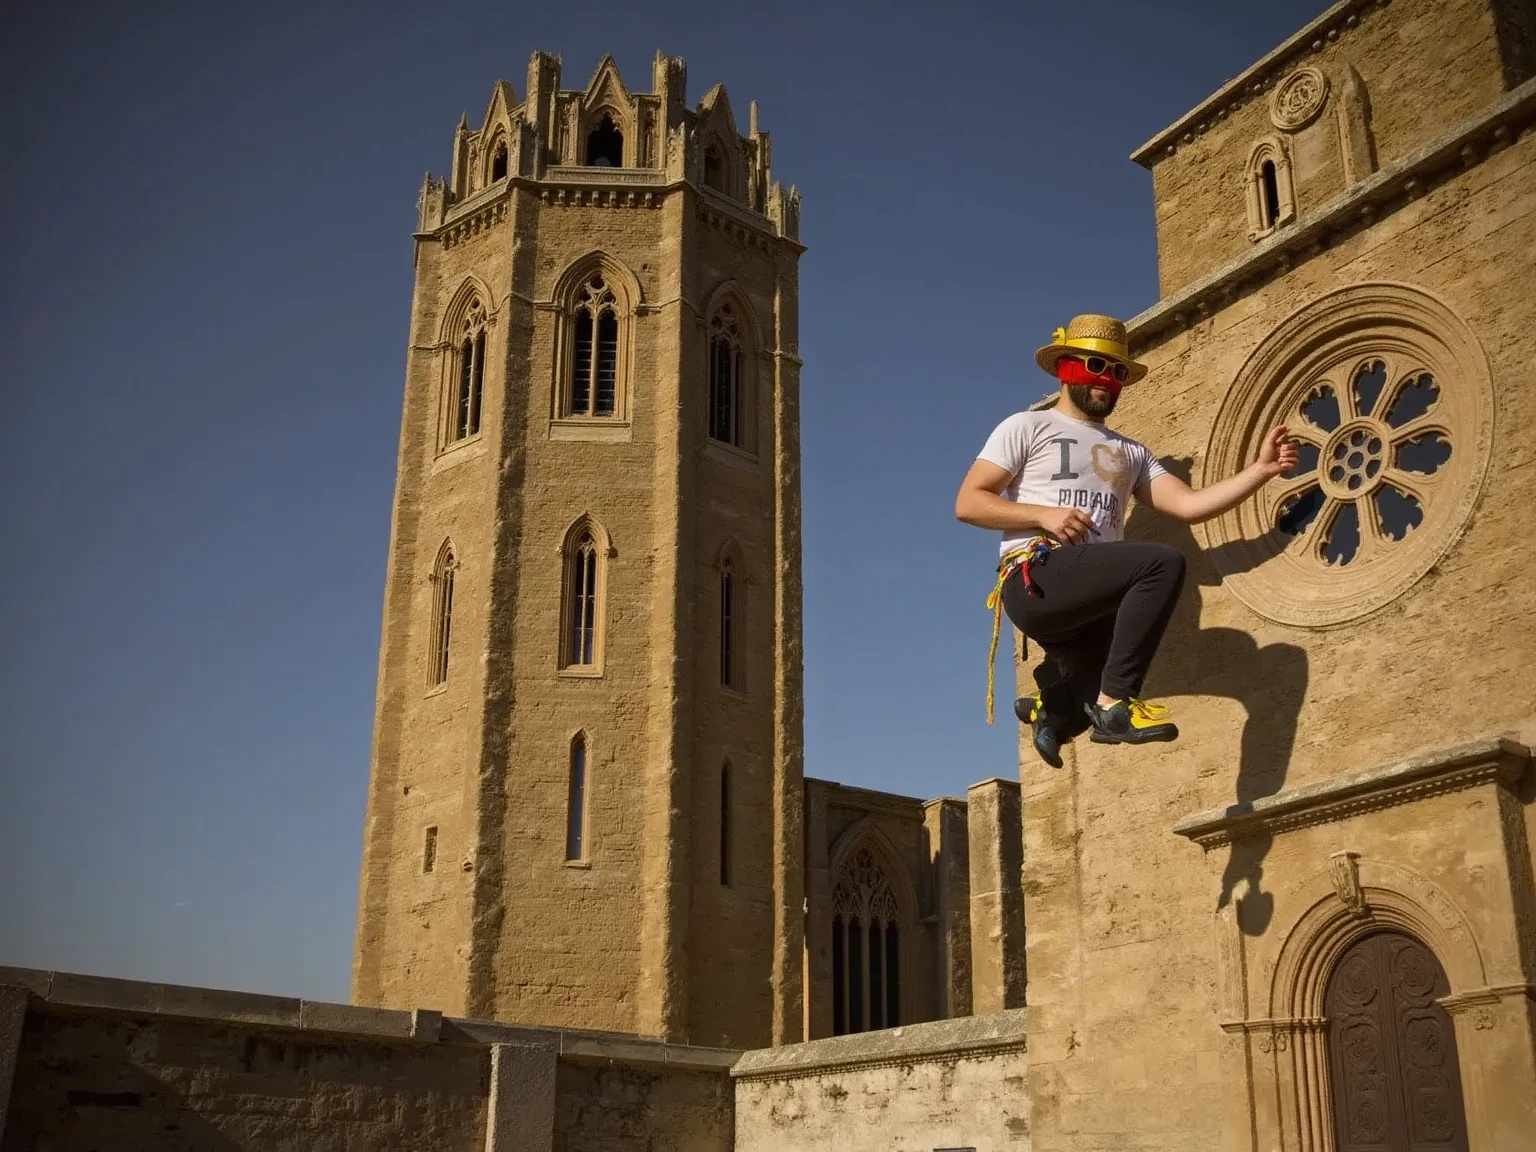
[[1268, 681]]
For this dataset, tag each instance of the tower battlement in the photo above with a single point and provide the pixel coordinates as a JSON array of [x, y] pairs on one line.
[[606, 145]]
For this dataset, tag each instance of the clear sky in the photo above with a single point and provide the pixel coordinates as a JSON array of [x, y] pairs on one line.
[[202, 341]]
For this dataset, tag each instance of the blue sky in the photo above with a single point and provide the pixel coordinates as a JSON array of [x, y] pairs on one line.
[[202, 339]]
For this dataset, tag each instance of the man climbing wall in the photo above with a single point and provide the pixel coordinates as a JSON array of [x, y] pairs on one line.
[[1057, 484]]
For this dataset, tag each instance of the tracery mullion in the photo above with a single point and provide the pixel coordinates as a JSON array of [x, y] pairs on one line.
[[1373, 534], [1315, 538], [1287, 489]]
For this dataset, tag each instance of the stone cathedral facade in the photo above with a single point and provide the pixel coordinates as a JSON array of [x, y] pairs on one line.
[[603, 908]]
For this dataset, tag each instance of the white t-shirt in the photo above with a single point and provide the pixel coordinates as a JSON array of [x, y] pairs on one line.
[[1065, 463]]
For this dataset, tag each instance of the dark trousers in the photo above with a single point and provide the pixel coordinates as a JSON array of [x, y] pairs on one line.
[[1098, 613]]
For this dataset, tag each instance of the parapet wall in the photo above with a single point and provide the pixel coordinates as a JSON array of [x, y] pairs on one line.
[[956, 1085], [101, 1063]]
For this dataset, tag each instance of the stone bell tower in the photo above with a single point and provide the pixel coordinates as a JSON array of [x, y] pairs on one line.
[[585, 799]]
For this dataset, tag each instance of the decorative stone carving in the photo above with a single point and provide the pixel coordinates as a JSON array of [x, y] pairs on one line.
[[1390, 397], [1346, 882], [1298, 99]]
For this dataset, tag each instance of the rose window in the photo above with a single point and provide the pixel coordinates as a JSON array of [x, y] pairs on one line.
[[1388, 397], [1370, 455]]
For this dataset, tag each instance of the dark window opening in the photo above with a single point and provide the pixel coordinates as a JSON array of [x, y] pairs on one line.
[[607, 374], [714, 168], [1271, 193], [581, 633], [575, 824], [443, 622], [499, 162], [728, 627], [724, 392], [470, 386], [725, 825], [429, 850], [839, 979], [605, 145], [581, 384]]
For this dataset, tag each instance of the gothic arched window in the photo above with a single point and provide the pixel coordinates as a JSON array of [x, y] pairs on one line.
[[866, 948], [581, 629], [729, 415], [468, 374], [1271, 196], [594, 381], [714, 167], [442, 617], [499, 161], [605, 145]]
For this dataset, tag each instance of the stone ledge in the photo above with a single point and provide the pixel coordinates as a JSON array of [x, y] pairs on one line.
[[1371, 198], [994, 1034], [71, 990], [1501, 760]]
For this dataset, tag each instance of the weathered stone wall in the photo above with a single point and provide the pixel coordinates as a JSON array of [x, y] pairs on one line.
[[948, 1084], [1125, 918], [119, 1064], [1421, 65]]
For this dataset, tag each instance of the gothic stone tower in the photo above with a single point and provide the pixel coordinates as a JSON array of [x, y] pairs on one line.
[[586, 783]]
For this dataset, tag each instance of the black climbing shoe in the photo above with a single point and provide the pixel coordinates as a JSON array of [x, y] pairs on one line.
[[1043, 727], [1130, 722]]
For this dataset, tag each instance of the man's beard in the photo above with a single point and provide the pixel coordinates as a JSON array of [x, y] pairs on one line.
[[1082, 396]]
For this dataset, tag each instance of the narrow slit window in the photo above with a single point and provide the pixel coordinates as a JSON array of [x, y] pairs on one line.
[[429, 850], [725, 825], [728, 676], [576, 809]]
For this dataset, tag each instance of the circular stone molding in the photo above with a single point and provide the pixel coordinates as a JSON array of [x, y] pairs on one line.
[[1389, 397], [1298, 99]]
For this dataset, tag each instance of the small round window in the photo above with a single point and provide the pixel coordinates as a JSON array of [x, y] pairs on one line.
[[1388, 396]]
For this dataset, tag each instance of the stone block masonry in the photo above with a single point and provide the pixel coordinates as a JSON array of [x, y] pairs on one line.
[[117, 1064]]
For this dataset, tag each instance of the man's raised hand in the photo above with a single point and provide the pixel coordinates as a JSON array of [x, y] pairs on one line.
[[1278, 454]]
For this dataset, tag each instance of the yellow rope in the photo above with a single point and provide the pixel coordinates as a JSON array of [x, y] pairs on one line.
[[1031, 550]]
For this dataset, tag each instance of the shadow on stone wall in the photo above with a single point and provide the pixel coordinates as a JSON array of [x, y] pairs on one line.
[[1269, 681]]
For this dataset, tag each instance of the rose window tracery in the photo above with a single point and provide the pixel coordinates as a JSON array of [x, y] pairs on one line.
[[1389, 399], [1371, 453]]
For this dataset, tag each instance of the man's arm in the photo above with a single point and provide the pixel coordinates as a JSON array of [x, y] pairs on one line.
[[979, 502], [1170, 495]]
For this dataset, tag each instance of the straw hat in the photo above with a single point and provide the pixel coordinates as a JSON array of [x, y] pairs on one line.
[[1090, 335]]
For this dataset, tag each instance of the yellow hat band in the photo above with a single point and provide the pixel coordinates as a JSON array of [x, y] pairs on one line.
[[1102, 347]]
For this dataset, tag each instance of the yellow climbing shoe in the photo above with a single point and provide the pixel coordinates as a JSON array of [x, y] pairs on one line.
[[1131, 722]]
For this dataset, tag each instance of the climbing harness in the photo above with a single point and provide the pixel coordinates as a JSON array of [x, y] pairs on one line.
[[1031, 551]]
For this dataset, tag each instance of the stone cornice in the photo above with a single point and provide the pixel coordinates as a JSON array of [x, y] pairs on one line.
[[1499, 761], [966, 1037], [1462, 146], [1255, 80], [604, 188]]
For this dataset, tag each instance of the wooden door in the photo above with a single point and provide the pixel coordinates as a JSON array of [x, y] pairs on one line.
[[1392, 1050]]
